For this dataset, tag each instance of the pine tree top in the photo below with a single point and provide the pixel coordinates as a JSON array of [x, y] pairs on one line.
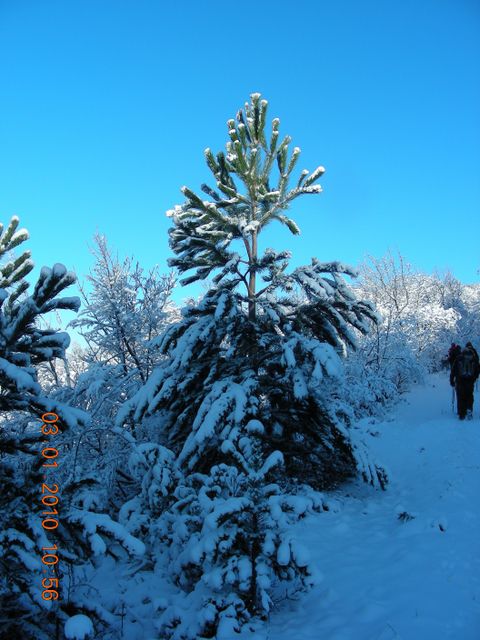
[[252, 188], [23, 344]]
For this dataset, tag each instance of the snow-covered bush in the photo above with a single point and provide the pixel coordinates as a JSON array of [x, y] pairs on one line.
[[417, 324], [156, 470], [125, 310], [464, 299], [228, 541]]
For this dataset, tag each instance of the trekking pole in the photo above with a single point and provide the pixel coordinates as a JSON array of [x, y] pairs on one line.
[[453, 399]]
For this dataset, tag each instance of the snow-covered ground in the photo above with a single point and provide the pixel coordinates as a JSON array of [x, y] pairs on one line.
[[385, 578]]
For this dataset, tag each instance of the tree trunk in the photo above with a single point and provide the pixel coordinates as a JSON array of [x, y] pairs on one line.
[[252, 308]]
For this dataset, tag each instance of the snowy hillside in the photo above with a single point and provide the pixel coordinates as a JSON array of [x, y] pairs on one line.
[[385, 578]]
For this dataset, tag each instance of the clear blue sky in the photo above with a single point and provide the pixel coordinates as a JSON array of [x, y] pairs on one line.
[[106, 108]]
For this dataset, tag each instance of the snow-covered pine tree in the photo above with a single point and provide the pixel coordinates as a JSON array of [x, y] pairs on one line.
[[24, 346], [262, 340], [258, 348], [23, 343]]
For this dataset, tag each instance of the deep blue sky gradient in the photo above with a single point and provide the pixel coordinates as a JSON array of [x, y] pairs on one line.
[[106, 108]]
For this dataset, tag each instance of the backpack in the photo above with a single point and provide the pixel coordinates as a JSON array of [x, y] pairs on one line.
[[466, 366]]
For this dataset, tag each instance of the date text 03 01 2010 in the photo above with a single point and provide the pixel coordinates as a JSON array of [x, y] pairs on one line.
[[50, 500]]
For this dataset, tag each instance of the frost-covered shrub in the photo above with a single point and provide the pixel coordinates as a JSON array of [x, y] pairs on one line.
[[229, 544], [125, 310], [155, 468], [417, 322]]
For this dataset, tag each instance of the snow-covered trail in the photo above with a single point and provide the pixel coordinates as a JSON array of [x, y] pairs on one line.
[[384, 578]]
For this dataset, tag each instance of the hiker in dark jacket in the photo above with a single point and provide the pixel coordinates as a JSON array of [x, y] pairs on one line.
[[465, 370], [470, 346], [453, 353]]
